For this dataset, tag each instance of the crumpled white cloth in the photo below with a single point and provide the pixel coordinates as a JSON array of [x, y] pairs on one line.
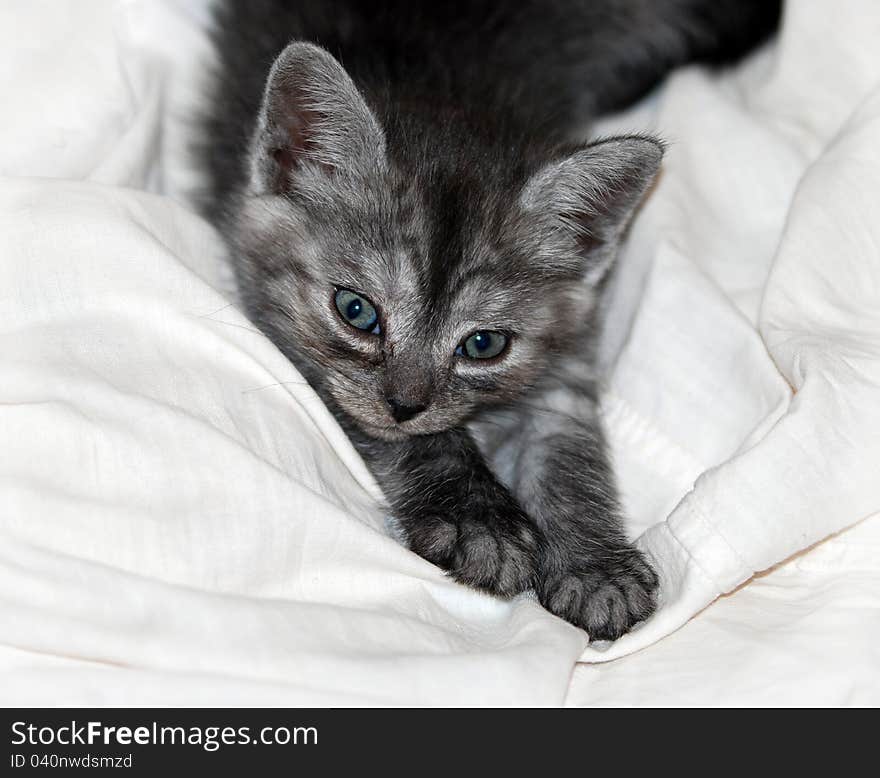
[[182, 522], [745, 403]]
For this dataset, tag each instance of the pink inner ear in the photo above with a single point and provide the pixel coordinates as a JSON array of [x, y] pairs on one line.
[[587, 239], [299, 125], [301, 129], [285, 157], [588, 242]]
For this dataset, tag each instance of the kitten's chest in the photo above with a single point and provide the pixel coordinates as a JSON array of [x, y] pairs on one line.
[[509, 435], [498, 435]]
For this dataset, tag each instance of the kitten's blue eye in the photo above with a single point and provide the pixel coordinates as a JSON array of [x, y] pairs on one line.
[[483, 344], [357, 310]]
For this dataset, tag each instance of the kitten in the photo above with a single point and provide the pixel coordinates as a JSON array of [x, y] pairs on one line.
[[414, 228]]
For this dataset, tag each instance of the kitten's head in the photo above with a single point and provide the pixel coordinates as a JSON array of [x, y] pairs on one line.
[[419, 279]]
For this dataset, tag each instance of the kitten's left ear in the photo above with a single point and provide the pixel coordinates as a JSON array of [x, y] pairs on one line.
[[313, 120], [583, 202]]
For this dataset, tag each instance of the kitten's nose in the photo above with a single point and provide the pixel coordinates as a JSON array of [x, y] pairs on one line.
[[402, 412]]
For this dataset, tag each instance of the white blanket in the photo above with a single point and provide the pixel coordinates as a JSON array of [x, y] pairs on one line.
[[182, 522]]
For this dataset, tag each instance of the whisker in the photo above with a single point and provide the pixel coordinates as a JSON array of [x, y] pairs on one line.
[[231, 324], [555, 412], [279, 383], [214, 313]]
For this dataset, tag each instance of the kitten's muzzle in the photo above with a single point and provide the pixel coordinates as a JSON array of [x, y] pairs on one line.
[[402, 412]]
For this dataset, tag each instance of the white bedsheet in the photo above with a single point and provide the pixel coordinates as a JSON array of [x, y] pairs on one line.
[[182, 522]]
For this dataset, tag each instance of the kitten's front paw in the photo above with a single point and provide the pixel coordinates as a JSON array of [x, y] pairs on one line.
[[494, 549], [606, 598]]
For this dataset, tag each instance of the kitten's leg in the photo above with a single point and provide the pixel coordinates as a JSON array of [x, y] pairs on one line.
[[454, 511], [588, 573]]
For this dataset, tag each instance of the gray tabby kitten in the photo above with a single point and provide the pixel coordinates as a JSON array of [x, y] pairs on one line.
[[414, 228]]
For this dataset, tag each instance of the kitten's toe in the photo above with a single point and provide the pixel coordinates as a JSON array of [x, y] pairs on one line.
[[496, 557], [605, 599], [495, 553]]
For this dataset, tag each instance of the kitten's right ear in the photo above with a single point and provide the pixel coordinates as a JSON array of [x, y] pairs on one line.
[[312, 117], [580, 204]]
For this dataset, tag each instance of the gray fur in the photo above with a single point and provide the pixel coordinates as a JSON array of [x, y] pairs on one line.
[[451, 198]]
